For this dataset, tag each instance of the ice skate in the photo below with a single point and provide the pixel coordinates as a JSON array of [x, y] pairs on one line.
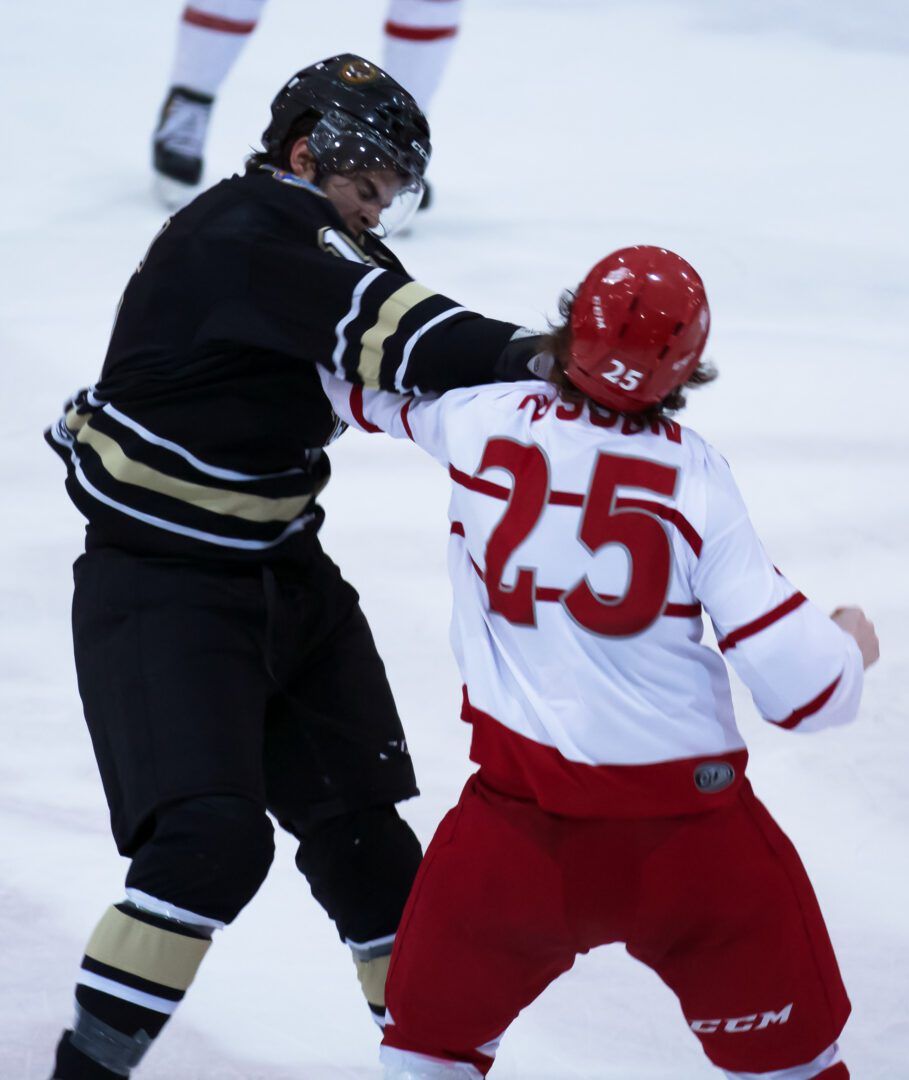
[[178, 144]]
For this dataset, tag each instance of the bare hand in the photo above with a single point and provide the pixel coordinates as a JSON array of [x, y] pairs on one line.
[[856, 623]]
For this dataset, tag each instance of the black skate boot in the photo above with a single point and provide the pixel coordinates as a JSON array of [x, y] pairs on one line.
[[178, 145]]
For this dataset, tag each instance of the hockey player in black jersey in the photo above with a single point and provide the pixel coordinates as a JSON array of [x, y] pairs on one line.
[[224, 664]]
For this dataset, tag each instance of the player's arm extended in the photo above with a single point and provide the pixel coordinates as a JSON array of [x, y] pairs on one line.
[[374, 326], [803, 671], [424, 421]]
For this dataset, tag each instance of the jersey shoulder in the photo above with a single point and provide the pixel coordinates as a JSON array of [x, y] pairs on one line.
[[502, 399], [286, 212], [255, 205]]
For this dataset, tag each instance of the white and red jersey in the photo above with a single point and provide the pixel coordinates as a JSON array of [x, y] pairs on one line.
[[584, 549]]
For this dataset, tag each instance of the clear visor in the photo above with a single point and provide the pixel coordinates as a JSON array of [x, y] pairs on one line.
[[396, 216], [347, 148]]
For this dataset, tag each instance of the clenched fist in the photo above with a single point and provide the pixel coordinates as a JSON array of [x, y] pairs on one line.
[[857, 624]]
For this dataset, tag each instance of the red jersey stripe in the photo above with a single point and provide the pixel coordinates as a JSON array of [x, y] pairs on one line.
[[545, 594], [419, 33], [516, 765], [570, 498], [813, 706], [757, 625], [356, 407], [565, 498], [474, 483], [217, 22], [683, 611], [404, 419], [670, 514]]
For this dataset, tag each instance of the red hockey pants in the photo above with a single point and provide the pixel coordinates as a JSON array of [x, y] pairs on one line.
[[717, 904]]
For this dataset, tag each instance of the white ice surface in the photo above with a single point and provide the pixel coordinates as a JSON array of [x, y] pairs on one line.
[[765, 140]]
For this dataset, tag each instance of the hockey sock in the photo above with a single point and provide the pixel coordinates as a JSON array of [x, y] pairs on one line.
[[419, 36], [372, 959], [138, 964], [826, 1066], [360, 867], [211, 36], [407, 1065]]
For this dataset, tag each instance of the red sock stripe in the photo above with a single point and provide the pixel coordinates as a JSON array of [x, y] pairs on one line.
[[755, 627], [813, 706], [217, 22], [419, 33]]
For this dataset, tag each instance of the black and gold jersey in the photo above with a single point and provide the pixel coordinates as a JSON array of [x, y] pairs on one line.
[[204, 435]]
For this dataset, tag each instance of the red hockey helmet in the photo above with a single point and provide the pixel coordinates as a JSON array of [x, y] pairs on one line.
[[639, 324]]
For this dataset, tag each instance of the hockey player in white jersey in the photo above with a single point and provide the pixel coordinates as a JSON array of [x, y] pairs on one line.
[[589, 533]]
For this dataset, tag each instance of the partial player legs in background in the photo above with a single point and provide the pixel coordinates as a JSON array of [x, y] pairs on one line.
[[210, 37], [419, 37]]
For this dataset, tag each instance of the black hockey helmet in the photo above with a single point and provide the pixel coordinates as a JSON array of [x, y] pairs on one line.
[[364, 119]]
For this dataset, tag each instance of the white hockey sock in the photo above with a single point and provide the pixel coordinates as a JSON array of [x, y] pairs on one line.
[[419, 36], [408, 1065], [210, 37], [825, 1060]]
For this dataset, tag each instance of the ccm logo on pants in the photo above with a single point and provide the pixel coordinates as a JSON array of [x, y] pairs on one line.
[[754, 1022]]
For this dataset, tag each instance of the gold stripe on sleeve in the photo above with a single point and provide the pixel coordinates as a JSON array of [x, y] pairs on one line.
[[75, 420], [390, 315], [217, 500], [160, 956]]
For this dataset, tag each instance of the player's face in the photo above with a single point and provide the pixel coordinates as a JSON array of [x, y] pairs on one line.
[[361, 197]]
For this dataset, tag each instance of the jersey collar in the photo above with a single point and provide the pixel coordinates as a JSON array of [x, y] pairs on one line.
[[290, 178]]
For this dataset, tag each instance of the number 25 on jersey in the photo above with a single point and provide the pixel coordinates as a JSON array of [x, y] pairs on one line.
[[605, 519]]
